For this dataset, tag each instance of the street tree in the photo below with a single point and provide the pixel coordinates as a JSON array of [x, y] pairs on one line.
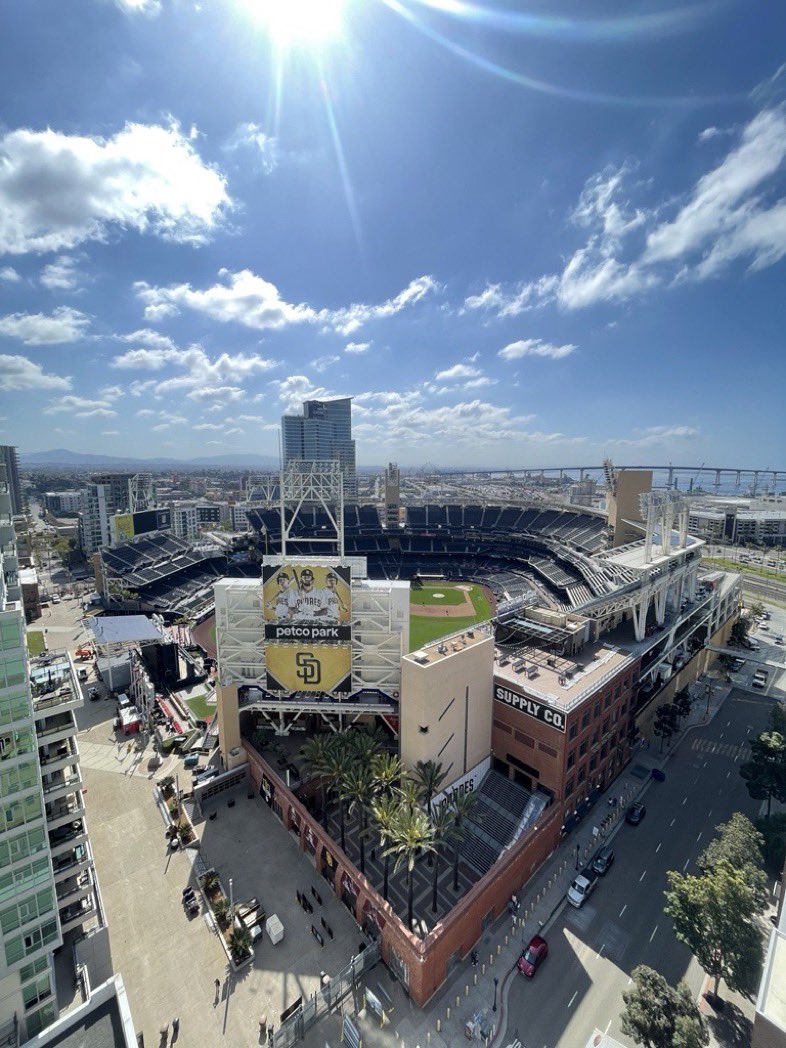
[[357, 791], [385, 813], [658, 1016], [713, 915], [739, 844], [778, 718], [765, 772], [756, 609], [682, 703], [666, 719]]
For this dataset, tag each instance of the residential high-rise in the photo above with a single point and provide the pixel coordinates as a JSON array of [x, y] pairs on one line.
[[105, 495], [9, 458], [323, 431], [392, 496], [48, 890]]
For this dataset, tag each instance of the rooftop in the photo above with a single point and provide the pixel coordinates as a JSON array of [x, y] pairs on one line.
[[124, 629], [559, 681], [452, 644]]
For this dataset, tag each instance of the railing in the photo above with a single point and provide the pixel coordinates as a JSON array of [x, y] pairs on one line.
[[326, 999]]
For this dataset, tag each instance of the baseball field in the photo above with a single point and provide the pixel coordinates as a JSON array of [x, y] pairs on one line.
[[438, 608]]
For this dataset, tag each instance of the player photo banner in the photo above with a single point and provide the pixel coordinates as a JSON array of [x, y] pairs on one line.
[[307, 603], [314, 667]]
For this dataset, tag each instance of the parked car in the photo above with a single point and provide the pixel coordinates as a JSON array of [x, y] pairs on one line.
[[737, 664], [582, 886], [603, 860], [533, 956], [760, 679], [94, 694], [635, 813]]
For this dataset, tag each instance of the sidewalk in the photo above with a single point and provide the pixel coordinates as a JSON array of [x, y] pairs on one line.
[[441, 1024]]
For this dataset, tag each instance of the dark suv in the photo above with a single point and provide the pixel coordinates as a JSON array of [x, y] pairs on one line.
[[635, 813], [601, 864]]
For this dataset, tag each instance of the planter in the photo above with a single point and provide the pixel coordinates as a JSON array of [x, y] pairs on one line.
[[223, 929]]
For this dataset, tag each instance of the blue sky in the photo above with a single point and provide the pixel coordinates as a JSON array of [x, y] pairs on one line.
[[519, 234]]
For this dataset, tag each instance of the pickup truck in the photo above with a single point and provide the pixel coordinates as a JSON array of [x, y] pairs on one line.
[[582, 886]]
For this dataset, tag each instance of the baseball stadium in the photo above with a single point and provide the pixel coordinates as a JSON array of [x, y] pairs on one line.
[[429, 705]]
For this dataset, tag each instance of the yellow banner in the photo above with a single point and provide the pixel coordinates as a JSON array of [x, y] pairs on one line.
[[309, 667]]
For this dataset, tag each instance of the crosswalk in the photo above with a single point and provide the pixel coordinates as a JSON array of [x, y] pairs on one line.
[[737, 752]]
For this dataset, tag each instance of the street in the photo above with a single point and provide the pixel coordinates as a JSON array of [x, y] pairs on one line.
[[594, 949]]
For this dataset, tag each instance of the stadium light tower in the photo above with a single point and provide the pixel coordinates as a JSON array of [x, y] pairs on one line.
[[659, 510], [309, 482]]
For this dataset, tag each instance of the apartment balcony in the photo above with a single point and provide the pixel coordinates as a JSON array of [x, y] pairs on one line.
[[58, 729], [61, 842], [60, 815], [77, 915], [58, 758], [60, 700], [71, 864], [61, 787], [74, 890]]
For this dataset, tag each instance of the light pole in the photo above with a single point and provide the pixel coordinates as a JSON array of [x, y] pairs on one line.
[[709, 693], [578, 849], [231, 903], [496, 983]]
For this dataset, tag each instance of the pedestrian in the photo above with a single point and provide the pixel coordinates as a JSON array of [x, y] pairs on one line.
[[595, 832]]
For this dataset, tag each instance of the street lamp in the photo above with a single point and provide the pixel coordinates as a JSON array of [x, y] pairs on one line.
[[709, 693], [496, 983], [231, 903], [578, 849]]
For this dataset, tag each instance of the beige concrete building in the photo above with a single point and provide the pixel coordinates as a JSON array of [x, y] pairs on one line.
[[622, 504], [446, 708]]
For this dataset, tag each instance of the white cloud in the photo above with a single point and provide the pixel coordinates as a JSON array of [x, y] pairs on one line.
[[252, 140], [209, 425], [62, 274], [219, 394], [110, 432], [534, 347], [294, 389], [247, 299], [145, 412], [323, 363], [357, 347], [10, 274], [457, 371], [82, 407], [652, 436], [59, 190], [21, 373], [728, 215], [42, 329], [111, 393]]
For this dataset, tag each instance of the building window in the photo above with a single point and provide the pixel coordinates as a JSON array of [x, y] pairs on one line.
[[585, 720], [593, 763], [583, 748], [582, 774], [568, 788], [595, 736], [571, 758], [547, 749], [596, 711], [519, 736], [574, 730], [605, 727]]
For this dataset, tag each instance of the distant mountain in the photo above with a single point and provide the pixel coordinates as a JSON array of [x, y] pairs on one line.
[[65, 457]]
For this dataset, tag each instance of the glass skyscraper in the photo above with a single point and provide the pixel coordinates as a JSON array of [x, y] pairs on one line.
[[323, 431]]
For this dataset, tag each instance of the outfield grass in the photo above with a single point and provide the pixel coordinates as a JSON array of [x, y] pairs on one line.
[[423, 630], [200, 708], [35, 642]]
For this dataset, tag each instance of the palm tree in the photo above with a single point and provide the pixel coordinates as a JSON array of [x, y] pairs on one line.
[[429, 775], [409, 793], [443, 825], [240, 941], [385, 811], [387, 772], [461, 805], [358, 788], [339, 763], [316, 753], [365, 745], [410, 835]]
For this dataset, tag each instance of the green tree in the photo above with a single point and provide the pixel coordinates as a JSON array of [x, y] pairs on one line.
[[778, 718], [739, 844], [385, 811], [765, 772], [756, 609], [665, 723], [410, 835], [338, 765], [240, 942], [315, 753], [429, 776], [740, 629], [713, 915], [682, 703], [357, 790], [443, 824], [387, 772], [461, 805], [658, 1016]]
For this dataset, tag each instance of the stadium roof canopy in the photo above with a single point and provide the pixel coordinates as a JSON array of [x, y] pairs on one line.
[[123, 629]]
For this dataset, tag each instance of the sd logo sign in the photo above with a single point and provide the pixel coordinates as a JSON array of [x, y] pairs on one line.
[[309, 668]]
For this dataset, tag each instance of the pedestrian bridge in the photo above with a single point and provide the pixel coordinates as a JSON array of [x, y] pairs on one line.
[[748, 656]]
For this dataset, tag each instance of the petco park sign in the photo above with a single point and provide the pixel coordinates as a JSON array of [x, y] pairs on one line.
[[532, 708]]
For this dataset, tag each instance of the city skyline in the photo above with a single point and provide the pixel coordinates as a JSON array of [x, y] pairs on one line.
[[511, 239]]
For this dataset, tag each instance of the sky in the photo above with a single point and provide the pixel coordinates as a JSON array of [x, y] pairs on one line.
[[518, 234]]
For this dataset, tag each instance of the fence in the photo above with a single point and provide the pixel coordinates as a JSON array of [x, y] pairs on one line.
[[328, 997]]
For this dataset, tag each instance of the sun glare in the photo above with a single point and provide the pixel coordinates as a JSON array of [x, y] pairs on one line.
[[299, 22]]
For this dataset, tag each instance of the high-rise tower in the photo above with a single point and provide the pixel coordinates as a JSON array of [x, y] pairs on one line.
[[323, 432]]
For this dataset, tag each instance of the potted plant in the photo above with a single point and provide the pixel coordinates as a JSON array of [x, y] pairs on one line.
[[221, 910], [240, 943]]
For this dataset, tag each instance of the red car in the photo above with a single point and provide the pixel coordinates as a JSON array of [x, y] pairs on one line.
[[533, 956]]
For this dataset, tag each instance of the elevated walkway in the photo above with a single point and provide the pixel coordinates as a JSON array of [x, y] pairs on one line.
[[748, 656]]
